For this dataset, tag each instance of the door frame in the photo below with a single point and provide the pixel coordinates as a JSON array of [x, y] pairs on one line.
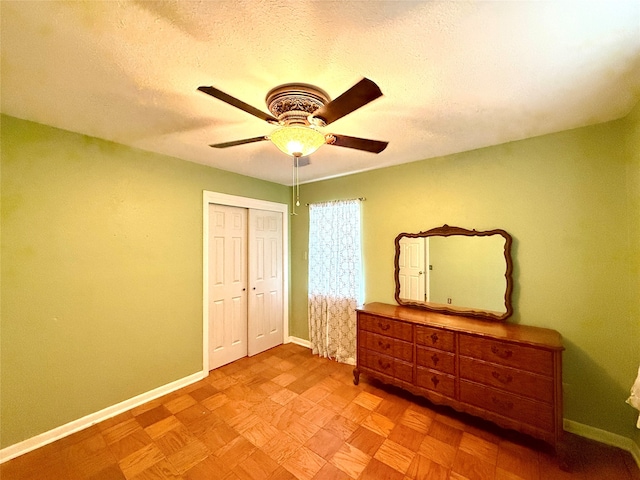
[[242, 202]]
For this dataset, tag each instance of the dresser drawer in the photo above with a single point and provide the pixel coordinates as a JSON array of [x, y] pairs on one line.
[[512, 355], [436, 381], [388, 346], [436, 359], [526, 384], [386, 365], [435, 338], [386, 326], [526, 411]]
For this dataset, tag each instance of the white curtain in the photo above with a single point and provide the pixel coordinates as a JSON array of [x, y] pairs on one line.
[[335, 278]]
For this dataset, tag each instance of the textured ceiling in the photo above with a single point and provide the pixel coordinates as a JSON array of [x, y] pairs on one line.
[[455, 75]]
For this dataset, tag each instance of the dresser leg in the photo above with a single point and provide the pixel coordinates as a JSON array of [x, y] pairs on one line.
[[356, 376], [563, 454]]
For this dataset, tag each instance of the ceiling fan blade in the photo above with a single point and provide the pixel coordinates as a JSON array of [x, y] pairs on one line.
[[238, 142], [220, 95], [357, 96], [373, 146]]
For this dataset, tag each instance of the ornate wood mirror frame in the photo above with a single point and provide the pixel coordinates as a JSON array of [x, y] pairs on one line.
[[466, 310]]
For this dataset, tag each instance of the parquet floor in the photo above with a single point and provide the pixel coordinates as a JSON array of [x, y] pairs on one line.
[[286, 414]]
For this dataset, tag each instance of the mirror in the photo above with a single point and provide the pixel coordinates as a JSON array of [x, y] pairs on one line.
[[456, 271]]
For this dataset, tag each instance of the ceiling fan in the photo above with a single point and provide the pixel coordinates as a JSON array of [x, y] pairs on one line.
[[299, 109]]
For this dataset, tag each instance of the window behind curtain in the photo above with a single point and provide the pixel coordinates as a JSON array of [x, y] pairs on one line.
[[335, 278]]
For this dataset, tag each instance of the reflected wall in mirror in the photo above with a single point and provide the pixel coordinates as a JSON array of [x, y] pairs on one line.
[[454, 270]]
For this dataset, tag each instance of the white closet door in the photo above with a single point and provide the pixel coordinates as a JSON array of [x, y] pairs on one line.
[[413, 272], [265, 280], [227, 284]]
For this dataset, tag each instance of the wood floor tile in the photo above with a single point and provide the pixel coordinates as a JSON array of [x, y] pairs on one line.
[[163, 426], [379, 424], [120, 430], [257, 466], [366, 440], [153, 416], [163, 470], [324, 443], [341, 427], [209, 468], [235, 451], [174, 440], [356, 413], [318, 415], [416, 420], [204, 392], [331, 472], [316, 393], [407, 437], [284, 379], [350, 460], [422, 467], [392, 408], [300, 405], [141, 460], [437, 451], [479, 448], [89, 456], [304, 463], [446, 433], [519, 460], [178, 404], [281, 447], [301, 430], [112, 472], [266, 409], [395, 455], [283, 397], [194, 413], [215, 401], [376, 470], [130, 444], [260, 432], [367, 400], [472, 467]]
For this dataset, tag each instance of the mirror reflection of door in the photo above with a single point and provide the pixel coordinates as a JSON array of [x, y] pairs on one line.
[[458, 271], [413, 276]]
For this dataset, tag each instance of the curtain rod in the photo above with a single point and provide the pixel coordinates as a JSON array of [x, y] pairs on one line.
[[362, 199]]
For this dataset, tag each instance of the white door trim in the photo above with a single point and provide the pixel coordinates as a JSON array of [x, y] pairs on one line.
[[243, 202]]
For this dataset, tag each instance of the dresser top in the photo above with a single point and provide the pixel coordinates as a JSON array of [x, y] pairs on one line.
[[544, 337]]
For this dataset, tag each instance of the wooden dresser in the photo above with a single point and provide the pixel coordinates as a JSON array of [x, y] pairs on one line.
[[505, 373]]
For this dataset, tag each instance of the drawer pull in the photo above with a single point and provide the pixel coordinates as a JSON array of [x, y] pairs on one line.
[[383, 365], [502, 378], [434, 338], [501, 353], [505, 405], [435, 359], [383, 326], [435, 381], [384, 346]]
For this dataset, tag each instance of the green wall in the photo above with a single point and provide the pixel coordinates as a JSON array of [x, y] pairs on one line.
[[571, 202], [101, 272], [101, 260], [633, 188]]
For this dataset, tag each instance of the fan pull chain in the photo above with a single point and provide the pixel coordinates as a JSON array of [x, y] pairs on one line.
[[295, 190], [297, 181]]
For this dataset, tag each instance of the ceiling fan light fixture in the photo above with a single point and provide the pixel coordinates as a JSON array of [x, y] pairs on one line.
[[297, 141]]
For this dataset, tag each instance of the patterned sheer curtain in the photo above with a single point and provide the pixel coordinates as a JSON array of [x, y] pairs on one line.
[[335, 278]]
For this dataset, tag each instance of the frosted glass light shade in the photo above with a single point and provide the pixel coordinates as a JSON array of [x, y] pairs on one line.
[[297, 141]]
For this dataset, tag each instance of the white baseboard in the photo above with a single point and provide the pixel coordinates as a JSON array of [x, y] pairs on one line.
[[300, 341], [62, 431], [605, 437]]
